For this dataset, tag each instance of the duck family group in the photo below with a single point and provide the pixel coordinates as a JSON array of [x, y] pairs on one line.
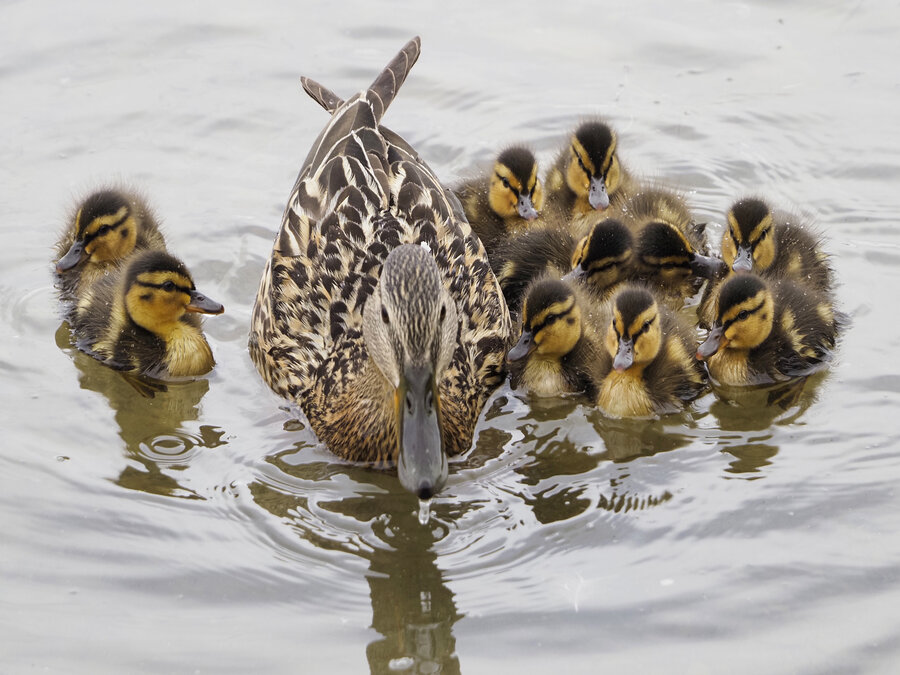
[[391, 305]]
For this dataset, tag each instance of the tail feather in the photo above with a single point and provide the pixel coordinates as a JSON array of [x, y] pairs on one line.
[[385, 87], [321, 94]]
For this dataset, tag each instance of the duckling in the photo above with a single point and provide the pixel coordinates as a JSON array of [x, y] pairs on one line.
[[768, 330], [587, 176], [648, 369], [772, 245], [557, 352], [142, 318], [107, 227], [600, 260], [506, 201], [670, 247]]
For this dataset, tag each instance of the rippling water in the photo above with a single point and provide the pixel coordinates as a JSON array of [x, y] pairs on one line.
[[205, 529]]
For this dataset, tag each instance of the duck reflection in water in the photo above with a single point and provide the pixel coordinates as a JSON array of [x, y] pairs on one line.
[[413, 609], [151, 416]]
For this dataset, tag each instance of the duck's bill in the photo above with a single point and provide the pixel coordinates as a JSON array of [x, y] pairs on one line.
[[526, 209], [713, 343], [707, 266], [743, 261], [523, 347], [200, 303], [422, 463], [597, 195], [72, 258], [578, 273], [624, 355]]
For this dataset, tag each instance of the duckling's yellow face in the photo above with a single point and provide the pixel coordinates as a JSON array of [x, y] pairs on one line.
[[747, 324], [551, 323], [748, 244], [156, 300], [512, 196], [633, 338], [593, 179], [601, 260], [108, 237]]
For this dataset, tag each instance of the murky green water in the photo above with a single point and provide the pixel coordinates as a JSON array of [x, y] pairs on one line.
[[205, 530]]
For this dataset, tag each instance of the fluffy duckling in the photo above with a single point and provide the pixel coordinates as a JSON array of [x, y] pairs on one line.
[[669, 245], [557, 352], [106, 228], [768, 331], [143, 319], [587, 175], [506, 201], [649, 368], [599, 261], [770, 244]]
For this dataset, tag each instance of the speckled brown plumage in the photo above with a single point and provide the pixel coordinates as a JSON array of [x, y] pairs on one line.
[[362, 192]]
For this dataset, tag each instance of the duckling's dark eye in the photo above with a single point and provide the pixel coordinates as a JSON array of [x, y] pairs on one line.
[[384, 315], [505, 182], [168, 286], [645, 327], [103, 230], [743, 315], [762, 236], [443, 314]]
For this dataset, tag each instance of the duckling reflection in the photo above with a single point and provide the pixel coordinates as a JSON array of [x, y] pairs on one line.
[[152, 421], [413, 610]]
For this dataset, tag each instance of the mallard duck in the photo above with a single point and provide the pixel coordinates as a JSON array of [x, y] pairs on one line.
[[670, 247], [142, 318], [378, 313], [600, 260], [107, 227], [771, 244], [558, 350], [649, 367], [767, 331], [506, 201], [587, 176]]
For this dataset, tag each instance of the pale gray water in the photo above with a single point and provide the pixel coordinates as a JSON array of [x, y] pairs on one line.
[[206, 531]]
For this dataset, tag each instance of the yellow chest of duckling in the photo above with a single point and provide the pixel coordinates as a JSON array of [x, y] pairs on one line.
[[187, 352], [624, 394], [730, 366], [544, 377]]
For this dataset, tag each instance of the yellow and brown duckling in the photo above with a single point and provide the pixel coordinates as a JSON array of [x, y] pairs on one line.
[[771, 244], [505, 202], [558, 350], [143, 318], [106, 228], [600, 260], [649, 367], [768, 330], [588, 176], [669, 246]]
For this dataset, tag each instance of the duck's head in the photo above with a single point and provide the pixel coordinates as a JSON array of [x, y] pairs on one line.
[[106, 229], [665, 252], [593, 170], [515, 191], [744, 316], [747, 243], [551, 322], [159, 291], [634, 336], [410, 329], [602, 258]]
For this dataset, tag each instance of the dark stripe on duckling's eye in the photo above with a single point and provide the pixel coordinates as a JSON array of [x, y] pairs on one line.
[[580, 163], [508, 185], [549, 320], [744, 314], [643, 329], [762, 236], [167, 286], [737, 244], [102, 230]]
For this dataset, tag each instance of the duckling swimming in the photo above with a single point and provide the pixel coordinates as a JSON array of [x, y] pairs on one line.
[[649, 368], [587, 176], [107, 227], [506, 201], [772, 245], [600, 260], [143, 318], [768, 330], [558, 350]]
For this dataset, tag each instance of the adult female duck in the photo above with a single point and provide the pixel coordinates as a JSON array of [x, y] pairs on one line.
[[378, 312]]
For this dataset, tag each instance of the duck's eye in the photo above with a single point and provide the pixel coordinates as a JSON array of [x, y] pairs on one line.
[[505, 182], [645, 327], [743, 315], [762, 236], [168, 286], [409, 403], [443, 314], [103, 230], [384, 314]]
